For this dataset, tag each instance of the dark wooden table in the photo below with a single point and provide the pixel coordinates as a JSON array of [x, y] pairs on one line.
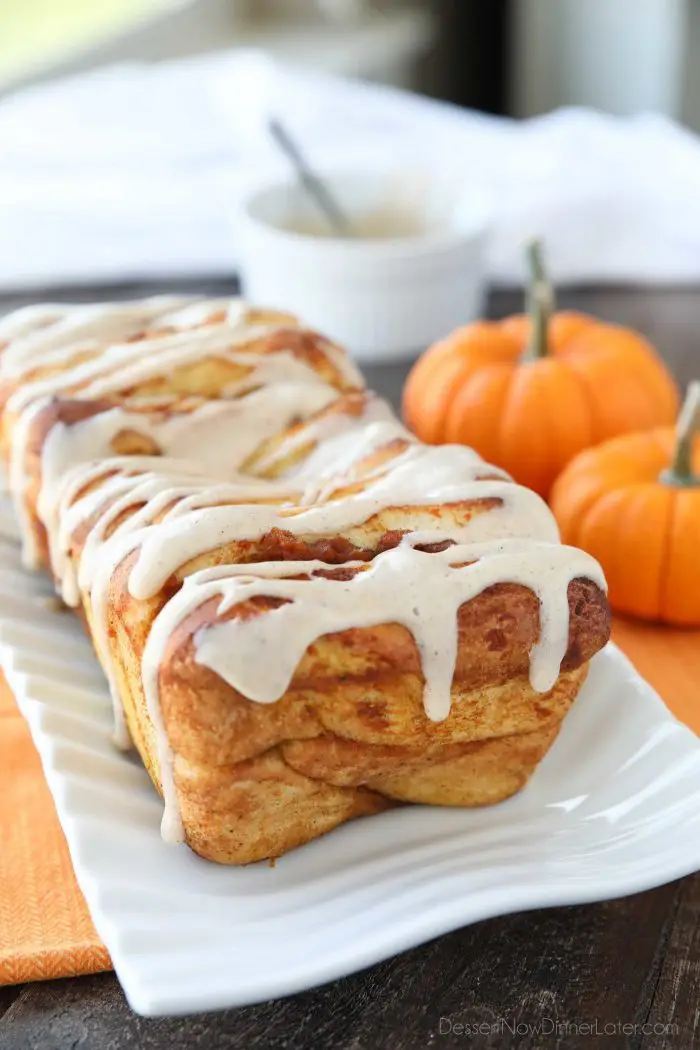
[[626, 972]]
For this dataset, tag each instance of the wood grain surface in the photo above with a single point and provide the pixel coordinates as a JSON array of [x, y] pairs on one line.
[[624, 973]]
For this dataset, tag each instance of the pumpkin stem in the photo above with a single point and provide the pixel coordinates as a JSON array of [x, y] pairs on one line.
[[681, 470], [540, 302], [535, 261]]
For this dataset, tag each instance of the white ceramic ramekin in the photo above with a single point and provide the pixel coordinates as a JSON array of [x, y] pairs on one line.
[[383, 299]]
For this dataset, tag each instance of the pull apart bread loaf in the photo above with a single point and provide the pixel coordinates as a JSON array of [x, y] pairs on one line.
[[304, 614]]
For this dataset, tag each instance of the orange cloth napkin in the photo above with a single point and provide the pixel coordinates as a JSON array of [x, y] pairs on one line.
[[45, 929], [669, 660]]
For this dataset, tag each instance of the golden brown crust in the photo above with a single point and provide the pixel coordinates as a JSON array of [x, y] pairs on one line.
[[367, 682]]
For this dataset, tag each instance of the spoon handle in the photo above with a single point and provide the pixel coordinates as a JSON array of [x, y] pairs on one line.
[[314, 186]]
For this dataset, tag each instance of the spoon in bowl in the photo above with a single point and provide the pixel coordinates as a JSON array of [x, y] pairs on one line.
[[314, 186]]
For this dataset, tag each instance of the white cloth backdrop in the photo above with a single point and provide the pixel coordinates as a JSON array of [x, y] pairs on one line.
[[135, 171]]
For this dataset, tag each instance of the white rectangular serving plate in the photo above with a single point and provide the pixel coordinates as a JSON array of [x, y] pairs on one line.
[[613, 809]]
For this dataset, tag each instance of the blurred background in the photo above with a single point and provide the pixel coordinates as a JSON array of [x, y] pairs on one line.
[[132, 130], [513, 57]]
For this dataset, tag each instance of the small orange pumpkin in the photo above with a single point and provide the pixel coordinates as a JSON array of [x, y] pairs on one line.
[[531, 391], [634, 504]]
